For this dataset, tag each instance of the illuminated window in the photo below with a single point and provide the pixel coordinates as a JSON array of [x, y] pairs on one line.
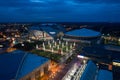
[[116, 63]]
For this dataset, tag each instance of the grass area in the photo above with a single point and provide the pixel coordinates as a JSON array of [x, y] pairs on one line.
[[55, 48], [49, 55]]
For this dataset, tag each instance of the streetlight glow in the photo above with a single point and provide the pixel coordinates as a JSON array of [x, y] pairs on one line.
[[79, 56]]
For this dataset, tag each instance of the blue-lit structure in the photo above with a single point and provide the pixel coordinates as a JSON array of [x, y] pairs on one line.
[[18, 64], [92, 72], [46, 30], [82, 35], [89, 72], [104, 75]]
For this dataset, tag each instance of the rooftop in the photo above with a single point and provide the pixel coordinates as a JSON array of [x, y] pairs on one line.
[[46, 28], [96, 51], [105, 75], [51, 31], [83, 33], [17, 64], [92, 72], [100, 52]]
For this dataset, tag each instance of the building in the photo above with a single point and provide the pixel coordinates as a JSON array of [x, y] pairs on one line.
[[87, 71], [45, 31], [106, 58], [92, 72], [35, 32], [97, 53], [20, 65], [82, 35]]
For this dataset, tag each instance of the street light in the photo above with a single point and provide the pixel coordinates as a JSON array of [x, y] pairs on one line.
[[22, 44]]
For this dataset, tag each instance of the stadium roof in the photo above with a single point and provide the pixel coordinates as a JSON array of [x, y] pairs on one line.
[[51, 31], [46, 28], [17, 64], [83, 33]]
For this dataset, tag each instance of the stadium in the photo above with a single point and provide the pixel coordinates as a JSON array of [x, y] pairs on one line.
[[82, 35]]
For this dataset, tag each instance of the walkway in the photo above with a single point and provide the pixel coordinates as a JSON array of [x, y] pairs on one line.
[[64, 69]]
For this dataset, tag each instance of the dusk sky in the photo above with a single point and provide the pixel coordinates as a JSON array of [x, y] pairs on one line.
[[60, 10]]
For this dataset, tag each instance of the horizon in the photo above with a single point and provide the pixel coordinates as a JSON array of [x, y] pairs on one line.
[[56, 22]]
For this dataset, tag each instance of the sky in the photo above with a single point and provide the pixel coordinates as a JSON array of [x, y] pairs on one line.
[[59, 10]]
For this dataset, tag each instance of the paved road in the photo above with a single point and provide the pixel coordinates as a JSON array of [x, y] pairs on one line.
[[64, 69]]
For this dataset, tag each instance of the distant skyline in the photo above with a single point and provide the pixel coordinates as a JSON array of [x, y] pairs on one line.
[[59, 10]]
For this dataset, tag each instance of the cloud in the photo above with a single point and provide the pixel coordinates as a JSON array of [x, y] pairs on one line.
[[99, 1], [59, 10]]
